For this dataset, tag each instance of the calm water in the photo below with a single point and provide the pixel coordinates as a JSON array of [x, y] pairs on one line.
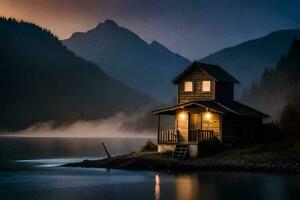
[[29, 170]]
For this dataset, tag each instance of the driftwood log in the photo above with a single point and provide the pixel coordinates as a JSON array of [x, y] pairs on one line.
[[107, 153]]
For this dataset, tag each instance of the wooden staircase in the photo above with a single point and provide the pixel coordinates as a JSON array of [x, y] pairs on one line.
[[180, 151]]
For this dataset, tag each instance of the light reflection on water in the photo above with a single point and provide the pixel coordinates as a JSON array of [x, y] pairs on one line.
[[30, 178], [186, 187], [157, 187], [54, 162], [40, 181]]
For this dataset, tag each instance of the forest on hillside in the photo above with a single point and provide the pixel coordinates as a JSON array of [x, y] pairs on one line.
[[278, 92], [41, 80]]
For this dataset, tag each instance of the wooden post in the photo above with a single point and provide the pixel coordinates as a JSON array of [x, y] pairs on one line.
[[158, 128], [221, 128], [108, 155]]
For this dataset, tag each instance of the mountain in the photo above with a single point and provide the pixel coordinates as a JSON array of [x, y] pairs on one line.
[[148, 68], [248, 60], [277, 86], [41, 80]]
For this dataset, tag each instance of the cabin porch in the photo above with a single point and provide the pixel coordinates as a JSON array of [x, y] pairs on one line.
[[190, 125], [168, 139], [195, 136]]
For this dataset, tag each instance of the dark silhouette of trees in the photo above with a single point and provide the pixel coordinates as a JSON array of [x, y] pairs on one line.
[[290, 120], [41, 80], [278, 92]]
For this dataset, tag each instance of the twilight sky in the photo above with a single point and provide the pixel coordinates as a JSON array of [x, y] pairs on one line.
[[192, 28]]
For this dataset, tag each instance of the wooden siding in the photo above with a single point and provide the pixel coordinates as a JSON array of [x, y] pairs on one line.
[[183, 125], [213, 124], [196, 76], [237, 129], [224, 91], [231, 129]]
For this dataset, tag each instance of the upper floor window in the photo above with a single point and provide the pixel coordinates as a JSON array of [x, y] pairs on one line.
[[188, 86], [205, 86]]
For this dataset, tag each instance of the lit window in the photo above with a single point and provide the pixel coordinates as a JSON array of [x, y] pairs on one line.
[[188, 86], [205, 86]]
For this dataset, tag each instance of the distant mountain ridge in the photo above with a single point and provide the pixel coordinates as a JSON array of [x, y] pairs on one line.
[[248, 60], [148, 68], [41, 80]]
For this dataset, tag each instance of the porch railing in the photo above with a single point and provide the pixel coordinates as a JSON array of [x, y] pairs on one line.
[[167, 136], [198, 135]]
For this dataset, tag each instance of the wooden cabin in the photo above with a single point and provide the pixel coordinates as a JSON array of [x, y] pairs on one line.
[[206, 108]]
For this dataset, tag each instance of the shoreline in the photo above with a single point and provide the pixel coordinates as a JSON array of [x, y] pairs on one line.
[[266, 162], [73, 137]]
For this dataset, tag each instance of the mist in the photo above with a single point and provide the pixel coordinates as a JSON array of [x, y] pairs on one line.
[[117, 126]]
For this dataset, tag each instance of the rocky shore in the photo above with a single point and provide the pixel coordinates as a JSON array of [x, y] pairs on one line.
[[258, 162]]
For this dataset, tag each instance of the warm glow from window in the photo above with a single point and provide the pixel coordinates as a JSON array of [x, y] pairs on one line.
[[205, 86], [188, 86], [207, 116], [182, 115]]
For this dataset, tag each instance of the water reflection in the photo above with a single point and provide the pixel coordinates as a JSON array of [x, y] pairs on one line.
[[274, 187], [234, 186], [187, 187], [38, 179], [37, 148], [224, 185], [157, 187]]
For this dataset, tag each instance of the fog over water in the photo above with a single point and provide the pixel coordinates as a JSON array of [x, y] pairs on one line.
[[115, 126]]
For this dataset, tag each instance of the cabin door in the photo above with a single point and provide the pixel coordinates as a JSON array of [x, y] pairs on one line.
[[195, 121]]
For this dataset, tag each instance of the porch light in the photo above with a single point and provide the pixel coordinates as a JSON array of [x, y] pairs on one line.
[[207, 115], [182, 115]]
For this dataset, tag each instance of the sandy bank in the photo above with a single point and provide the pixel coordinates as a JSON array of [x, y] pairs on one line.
[[262, 162]]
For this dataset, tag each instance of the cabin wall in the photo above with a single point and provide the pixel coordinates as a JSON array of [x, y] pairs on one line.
[[193, 151], [196, 76], [213, 123], [197, 119], [224, 91], [231, 129], [164, 148], [237, 130]]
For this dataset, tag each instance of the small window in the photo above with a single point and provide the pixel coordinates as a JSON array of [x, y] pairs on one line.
[[188, 86], [205, 86]]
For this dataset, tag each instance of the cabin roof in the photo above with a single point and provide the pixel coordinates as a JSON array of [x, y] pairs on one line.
[[214, 70], [232, 107], [172, 109]]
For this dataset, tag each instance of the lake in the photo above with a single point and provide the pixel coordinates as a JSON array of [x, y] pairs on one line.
[[29, 169]]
